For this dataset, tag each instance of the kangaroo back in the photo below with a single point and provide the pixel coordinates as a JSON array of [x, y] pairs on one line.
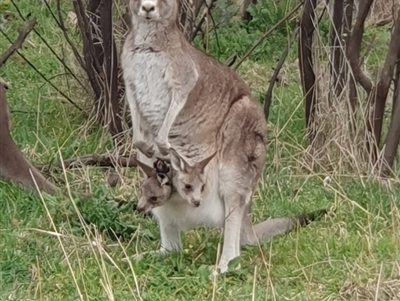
[[13, 165]]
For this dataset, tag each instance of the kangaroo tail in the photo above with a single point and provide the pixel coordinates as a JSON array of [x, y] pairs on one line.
[[278, 226]]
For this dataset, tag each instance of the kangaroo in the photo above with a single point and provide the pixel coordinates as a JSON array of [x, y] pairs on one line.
[[186, 105], [13, 165], [156, 188], [189, 181]]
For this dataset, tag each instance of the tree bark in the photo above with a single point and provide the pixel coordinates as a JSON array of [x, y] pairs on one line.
[[337, 55], [307, 27], [393, 136], [101, 62], [381, 90], [354, 46]]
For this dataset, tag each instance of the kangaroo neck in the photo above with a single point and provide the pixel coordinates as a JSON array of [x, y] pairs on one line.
[[154, 36]]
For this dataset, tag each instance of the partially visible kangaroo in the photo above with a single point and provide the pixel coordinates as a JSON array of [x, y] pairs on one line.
[[13, 165], [183, 99], [156, 188]]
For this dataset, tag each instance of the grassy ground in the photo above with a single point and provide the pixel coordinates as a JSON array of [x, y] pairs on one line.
[[65, 249]]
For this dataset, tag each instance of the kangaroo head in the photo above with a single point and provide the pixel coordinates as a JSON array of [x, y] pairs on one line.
[[189, 181], [156, 188], [158, 11]]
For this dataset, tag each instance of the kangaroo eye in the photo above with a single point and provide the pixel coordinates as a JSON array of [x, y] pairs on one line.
[[153, 199], [202, 188], [188, 187]]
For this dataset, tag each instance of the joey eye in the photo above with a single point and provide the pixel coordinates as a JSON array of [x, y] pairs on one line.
[[153, 199], [188, 187], [202, 188]]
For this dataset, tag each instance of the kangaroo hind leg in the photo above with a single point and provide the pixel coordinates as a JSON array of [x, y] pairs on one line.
[[235, 209]]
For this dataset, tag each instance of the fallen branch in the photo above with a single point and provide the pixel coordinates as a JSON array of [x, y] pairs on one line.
[[272, 29], [105, 160], [18, 42]]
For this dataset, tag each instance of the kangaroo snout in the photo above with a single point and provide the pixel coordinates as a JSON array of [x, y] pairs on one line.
[[141, 209], [196, 203]]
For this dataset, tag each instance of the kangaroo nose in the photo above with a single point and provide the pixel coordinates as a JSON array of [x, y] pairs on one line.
[[148, 7], [196, 203], [140, 209]]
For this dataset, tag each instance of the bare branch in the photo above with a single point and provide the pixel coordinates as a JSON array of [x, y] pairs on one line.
[[18, 42], [47, 44], [354, 46], [268, 95], [272, 29], [42, 75]]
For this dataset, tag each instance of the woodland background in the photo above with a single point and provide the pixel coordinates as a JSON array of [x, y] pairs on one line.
[[333, 132]]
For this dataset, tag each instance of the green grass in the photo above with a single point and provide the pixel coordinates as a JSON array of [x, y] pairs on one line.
[[71, 249]]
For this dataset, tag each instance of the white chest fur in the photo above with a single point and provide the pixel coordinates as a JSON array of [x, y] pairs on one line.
[[148, 76], [182, 215], [178, 213]]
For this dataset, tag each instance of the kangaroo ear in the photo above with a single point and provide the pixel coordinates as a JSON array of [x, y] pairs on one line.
[[201, 165], [147, 170], [177, 161], [162, 178]]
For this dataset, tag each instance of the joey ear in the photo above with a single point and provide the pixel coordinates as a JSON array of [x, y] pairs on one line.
[[147, 170], [177, 161], [201, 165], [162, 178]]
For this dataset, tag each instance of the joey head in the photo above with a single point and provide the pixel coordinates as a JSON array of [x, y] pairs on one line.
[[189, 181], [156, 188]]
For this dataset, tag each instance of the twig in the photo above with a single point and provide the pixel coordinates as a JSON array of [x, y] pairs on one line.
[[105, 160], [18, 42], [61, 25], [42, 75], [268, 94], [47, 44], [272, 29]]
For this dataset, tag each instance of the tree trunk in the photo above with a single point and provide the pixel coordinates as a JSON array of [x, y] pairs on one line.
[[393, 136], [307, 27], [337, 56], [101, 61], [382, 88]]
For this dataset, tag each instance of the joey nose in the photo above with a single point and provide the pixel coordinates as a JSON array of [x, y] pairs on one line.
[[140, 209], [148, 7], [196, 203]]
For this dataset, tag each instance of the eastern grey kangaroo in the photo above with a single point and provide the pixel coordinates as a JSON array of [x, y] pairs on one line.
[[184, 99], [13, 165]]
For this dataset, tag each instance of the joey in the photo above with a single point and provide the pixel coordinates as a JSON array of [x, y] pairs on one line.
[[156, 188], [189, 181]]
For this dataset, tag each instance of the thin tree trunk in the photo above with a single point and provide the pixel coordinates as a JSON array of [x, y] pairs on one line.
[[354, 46], [307, 27], [382, 88], [337, 54], [393, 136], [111, 106], [101, 62]]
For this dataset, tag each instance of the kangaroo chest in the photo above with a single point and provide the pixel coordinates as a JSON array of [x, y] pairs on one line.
[[150, 79]]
